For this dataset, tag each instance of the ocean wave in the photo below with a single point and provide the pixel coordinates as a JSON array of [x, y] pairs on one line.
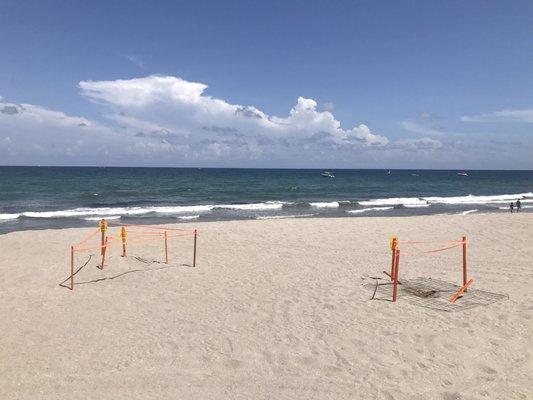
[[189, 217], [129, 211], [269, 205], [471, 199], [101, 217], [395, 201], [331, 204], [284, 216], [9, 216], [82, 212], [416, 202], [469, 212], [369, 209]]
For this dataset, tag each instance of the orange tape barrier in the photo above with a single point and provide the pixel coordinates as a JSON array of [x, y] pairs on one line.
[[88, 237], [430, 241], [145, 236], [395, 262], [429, 252]]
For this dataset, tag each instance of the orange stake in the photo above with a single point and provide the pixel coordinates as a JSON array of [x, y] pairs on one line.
[[194, 253], [103, 228], [395, 280], [123, 238], [393, 264], [465, 272], [166, 248], [393, 246], [460, 291], [71, 267], [104, 248]]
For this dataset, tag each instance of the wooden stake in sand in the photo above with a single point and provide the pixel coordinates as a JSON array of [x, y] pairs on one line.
[[166, 248], [395, 275], [104, 249], [194, 253], [123, 238], [71, 267], [103, 229], [394, 246], [465, 275]]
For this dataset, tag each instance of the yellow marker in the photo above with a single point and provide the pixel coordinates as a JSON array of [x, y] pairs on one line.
[[393, 242], [103, 225], [123, 235]]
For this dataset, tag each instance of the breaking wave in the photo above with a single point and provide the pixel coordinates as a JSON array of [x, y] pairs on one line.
[[369, 209]]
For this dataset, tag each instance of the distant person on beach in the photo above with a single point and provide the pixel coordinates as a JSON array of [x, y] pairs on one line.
[[518, 205], [511, 206]]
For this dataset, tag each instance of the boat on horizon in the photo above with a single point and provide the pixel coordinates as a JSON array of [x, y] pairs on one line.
[[327, 174], [462, 173]]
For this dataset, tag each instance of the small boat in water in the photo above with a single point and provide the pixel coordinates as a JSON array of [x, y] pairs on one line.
[[327, 174], [462, 173]]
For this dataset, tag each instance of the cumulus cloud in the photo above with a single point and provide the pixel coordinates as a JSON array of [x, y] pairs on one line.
[[524, 115], [31, 134], [424, 143], [182, 107], [167, 120]]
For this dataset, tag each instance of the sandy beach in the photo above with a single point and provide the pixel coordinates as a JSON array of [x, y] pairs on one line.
[[275, 309]]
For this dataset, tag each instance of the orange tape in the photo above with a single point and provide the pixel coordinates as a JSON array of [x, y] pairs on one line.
[[90, 236], [144, 240], [429, 252], [431, 241], [94, 247]]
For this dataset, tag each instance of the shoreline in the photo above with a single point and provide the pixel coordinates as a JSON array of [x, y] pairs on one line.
[[18, 224]]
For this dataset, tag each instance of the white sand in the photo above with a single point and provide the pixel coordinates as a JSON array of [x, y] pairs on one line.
[[274, 310]]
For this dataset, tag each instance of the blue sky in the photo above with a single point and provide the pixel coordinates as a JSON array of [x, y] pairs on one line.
[[413, 84]]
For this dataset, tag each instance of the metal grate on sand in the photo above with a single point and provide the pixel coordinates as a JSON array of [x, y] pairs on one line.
[[433, 293]]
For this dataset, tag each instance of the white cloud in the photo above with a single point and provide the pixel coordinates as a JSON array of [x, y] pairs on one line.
[[165, 120], [525, 115], [424, 143], [182, 107], [136, 60]]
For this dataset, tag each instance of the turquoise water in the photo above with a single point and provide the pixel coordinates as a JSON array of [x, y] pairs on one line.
[[49, 197]]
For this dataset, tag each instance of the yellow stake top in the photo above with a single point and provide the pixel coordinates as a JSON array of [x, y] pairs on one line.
[[123, 235], [393, 242], [103, 225]]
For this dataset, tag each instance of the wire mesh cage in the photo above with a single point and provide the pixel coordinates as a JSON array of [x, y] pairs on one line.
[[433, 293]]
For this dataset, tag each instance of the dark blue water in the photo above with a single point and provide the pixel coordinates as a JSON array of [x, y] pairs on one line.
[[44, 197]]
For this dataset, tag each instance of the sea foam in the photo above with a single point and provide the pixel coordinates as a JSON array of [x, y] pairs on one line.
[[9, 216], [369, 209], [330, 204], [395, 201]]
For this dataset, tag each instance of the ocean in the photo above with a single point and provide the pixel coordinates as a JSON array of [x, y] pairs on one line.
[[56, 197]]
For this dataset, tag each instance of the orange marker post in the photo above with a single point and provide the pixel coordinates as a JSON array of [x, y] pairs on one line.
[[395, 280], [465, 272], [194, 252], [103, 229], [461, 291], [394, 245], [71, 267], [104, 249], [123, 238], [166, 248]]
